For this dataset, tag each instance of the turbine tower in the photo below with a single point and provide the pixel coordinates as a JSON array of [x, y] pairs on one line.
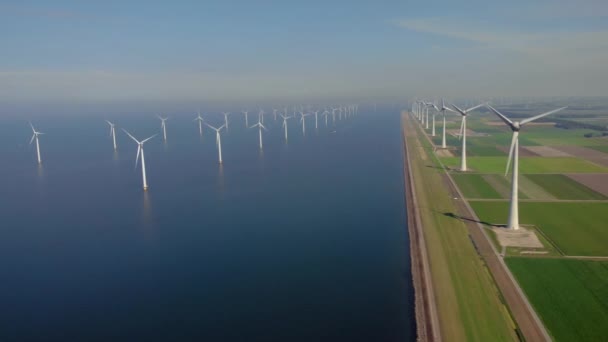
[[140, 151], [260, 126], [163, 126], [326, 114], [200, 120], [246, 117], [112, 133], [218, 140], [35, 137], [443, 109], [303, 121], [463, 134], [513, 222], [316, 119], [285, 124]]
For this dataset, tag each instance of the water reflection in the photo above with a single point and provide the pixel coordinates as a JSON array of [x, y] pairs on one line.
[[148, 224]]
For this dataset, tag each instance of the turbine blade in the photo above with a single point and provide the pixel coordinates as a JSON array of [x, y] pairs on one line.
[[501, 116], [143, 141], [473, 108], [33, 137], [511, 150], [459, 110], [213, 128], [461, 128], [129, 134], [137, 158], [525, 121]]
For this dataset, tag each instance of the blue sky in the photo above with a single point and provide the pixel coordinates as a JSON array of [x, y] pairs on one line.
[[286, 50]]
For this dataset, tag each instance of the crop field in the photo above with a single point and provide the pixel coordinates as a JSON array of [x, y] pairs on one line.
[[570, 296], [571, 141], [601, 148], [577, 228], [563, 187], [475, 186], [527, 165]]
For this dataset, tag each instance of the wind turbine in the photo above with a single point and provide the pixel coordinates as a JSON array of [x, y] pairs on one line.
[[261, 116], [443, 109], [285, 124], [316, 119], [35, 137], [513, 222], [140, 151], [436, 109], [303, 122], [163, 125], [463, 134], [246, 117], [274, 112], [260, 126], [112, 133], [226, 119], [218, 139], [326, 114], [200, 123]]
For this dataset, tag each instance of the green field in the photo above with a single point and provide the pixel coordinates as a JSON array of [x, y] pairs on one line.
[[570, 296], [475, 186], [577, 228], [601, 148], [563, 187], [527, 165]]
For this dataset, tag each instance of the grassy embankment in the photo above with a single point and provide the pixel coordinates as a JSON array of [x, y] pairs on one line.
[[468, 301]]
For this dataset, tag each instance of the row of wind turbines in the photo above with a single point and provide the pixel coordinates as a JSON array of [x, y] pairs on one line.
[[420, 111], [337, 113]]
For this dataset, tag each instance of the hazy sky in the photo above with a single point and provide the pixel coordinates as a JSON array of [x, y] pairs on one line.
[[267, 50]]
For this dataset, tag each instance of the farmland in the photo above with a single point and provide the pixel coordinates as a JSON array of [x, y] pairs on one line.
[[563, 187], [571, 296], [527, 165], [577, 228]]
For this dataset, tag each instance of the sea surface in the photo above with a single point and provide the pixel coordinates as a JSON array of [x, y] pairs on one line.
[[305, 241]]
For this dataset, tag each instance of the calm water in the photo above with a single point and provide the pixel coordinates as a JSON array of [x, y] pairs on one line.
[[305, 242]]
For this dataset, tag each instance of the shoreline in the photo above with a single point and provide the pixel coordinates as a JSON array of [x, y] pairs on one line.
[[427, 321]]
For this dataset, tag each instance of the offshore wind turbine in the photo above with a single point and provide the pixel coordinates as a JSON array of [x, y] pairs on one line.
[[140, 151], [163, 126], [303, 122], [200, 123], [463, 134], [443, 109], [513, 222], [112, 133], [274, 112], [260, 126], [285, 124], [246, 112], [35, 137], [326, 114], [218, 140], [316, 119]]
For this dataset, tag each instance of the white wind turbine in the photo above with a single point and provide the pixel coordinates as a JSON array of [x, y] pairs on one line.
[[326, 114], [285, 124], [112, 133], [260, 126], [443, 109], [200, 120], [274, 112], [316, 119], [463, 134], [35, 137], [246, 112], [303, 121], [140, 151], [218, 140], [433, 117], [226, 119], [513, 222], [261, 116], [163, 126]]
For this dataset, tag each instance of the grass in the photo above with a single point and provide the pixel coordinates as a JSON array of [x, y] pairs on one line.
[[577, 228], [563, 187], [570, 296], [601, 148], [463, 288], [527, 165], [475, 186]]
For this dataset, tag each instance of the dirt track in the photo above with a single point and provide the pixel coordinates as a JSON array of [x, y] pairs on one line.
[[528, 322], [595, 181]]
